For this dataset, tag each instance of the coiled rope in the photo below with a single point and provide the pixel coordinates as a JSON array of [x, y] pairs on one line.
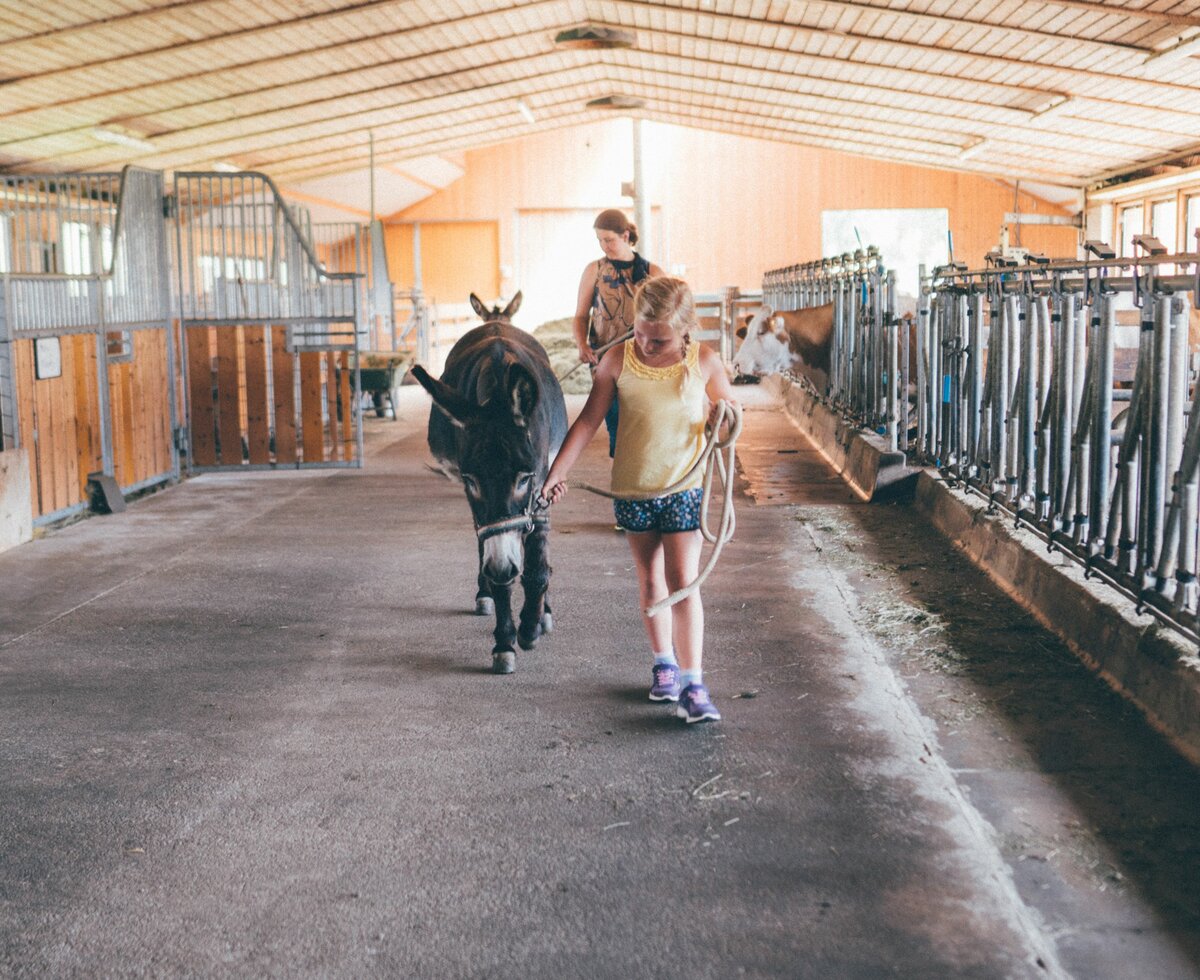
[[720, 455]]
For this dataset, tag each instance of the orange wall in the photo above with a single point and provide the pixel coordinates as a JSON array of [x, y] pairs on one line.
[[457, 258], [733, 207]]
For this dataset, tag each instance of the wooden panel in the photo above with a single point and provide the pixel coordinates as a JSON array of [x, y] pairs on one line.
[[283, 367], [125, 445], [89, 453], [732, 207], [23, 372], [229, 411], [331, 399], [257, 429], [312, 429], [200, 394], [347, 405], [457, 258]]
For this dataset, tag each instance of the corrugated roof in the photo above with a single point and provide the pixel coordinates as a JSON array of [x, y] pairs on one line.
[[1058, 92]]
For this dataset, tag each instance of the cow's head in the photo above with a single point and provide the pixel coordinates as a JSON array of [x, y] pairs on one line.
[[764, 348], [502, 458]]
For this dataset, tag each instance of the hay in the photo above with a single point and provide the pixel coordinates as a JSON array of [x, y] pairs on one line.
[[557, 338]]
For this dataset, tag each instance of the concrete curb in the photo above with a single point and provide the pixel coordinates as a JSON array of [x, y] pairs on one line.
[[1142, 660], [1155, 668], [862, 458]]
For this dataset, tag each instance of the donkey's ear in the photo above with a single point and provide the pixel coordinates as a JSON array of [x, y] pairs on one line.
[[741, 331], [478, 307], [522, 393], [457, 409], [514, 304]]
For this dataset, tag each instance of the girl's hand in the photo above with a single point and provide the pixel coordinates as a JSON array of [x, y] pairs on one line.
[[587, 355], [554, 490], [714, 410]]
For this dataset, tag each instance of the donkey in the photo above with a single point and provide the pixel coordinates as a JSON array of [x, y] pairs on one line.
[[498, 418]]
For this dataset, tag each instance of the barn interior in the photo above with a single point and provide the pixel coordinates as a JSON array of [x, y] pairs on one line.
[[227, 231]]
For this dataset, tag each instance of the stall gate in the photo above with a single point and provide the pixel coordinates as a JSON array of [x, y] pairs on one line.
[[270, 337], [87, 361]]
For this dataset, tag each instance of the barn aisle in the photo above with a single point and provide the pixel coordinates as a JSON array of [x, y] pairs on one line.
[[248, 728]]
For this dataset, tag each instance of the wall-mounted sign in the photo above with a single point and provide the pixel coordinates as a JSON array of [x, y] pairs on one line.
[[47, 358]]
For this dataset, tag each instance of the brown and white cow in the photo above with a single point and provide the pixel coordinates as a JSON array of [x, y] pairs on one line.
[[791, 340]]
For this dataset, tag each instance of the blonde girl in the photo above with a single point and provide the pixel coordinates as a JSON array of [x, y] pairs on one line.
[[667, 386]]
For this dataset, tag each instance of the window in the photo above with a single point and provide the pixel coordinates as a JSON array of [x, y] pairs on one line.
[[76, 248], [1131, 224], [1192, 222], [1162, 223], [1162, 227]]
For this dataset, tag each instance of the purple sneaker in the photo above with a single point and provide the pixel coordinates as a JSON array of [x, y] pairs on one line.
[[695, 705], [665, 686]]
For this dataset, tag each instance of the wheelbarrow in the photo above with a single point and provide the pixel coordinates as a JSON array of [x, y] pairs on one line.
[[380, 374]]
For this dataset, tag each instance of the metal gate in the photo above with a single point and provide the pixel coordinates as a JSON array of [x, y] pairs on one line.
[[269, 335], [87, 361]]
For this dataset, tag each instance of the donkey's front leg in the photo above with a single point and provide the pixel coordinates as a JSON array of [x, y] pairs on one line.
[[504, 657], [484, 605], [535, 613]]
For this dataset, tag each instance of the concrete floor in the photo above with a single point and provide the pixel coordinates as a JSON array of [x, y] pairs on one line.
[[247, 728]]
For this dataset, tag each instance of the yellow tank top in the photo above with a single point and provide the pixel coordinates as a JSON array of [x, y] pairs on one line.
[[661, 429]]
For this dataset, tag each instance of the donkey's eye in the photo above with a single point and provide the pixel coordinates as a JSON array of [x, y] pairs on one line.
[[523, 482], [471, 484]]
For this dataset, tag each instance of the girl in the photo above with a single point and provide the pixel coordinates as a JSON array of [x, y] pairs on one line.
[[667, 386], [604, 309]]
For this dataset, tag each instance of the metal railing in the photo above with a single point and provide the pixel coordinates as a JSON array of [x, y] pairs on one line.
[[1083, 427], [358, 248], [726, 307], [868, 353], [244, 258], [82, 254]]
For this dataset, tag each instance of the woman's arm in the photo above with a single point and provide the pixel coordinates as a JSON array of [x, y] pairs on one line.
[[604, 390], [583, 306]]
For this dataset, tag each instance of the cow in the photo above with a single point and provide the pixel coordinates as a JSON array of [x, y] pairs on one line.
[[796, 341], [799, 341], [498, 417]]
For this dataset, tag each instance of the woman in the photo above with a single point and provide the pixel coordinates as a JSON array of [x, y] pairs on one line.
[[668, 387], [606, 294]]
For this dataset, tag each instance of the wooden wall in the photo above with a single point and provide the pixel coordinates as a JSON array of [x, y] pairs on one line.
[[733, 207], [60, 421], [457, 258]]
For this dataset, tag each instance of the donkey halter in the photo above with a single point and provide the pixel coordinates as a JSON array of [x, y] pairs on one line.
[[524, 522]]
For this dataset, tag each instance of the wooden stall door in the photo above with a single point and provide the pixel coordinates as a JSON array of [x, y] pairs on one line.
[[59, 420], [254, 403]]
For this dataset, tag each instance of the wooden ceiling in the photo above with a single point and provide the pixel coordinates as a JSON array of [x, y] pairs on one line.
[[1066, 92]]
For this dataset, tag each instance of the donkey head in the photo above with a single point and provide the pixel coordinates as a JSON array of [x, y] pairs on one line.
[[502, 458]]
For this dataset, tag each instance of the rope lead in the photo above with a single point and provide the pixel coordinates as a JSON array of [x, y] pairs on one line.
[[720, 455]]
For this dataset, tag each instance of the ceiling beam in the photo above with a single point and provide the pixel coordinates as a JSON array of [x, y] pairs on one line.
[[770, 126], [921, 17], [925, 50], [658, 8], [36, 81], [1181, 20]]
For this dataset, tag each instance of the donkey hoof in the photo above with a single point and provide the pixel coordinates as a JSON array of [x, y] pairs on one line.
[[547, 623], [527, 642], [485, 606], [504, 662]]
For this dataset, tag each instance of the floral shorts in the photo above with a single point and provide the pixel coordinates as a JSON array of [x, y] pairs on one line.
[[673, 513]]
